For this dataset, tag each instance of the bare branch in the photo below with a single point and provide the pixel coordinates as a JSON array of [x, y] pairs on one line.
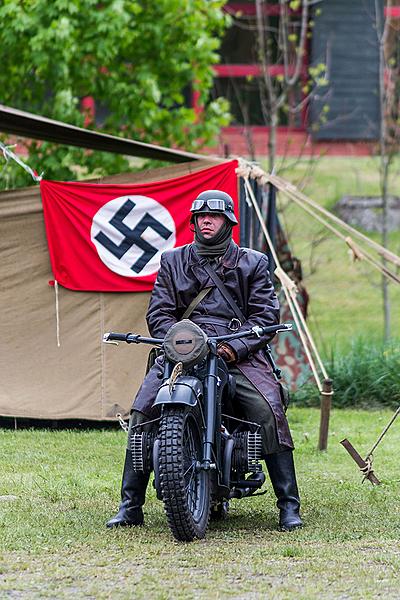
[[290, 81], [262, 51]]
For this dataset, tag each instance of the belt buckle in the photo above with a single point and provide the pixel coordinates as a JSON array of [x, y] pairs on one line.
[[234, 324]]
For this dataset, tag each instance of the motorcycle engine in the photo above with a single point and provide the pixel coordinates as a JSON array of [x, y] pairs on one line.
[[185, 342]]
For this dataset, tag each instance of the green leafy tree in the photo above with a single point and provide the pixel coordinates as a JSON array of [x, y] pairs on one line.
[[136, 58]]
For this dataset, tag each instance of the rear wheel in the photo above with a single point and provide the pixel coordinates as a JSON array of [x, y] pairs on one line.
[[185, 488]]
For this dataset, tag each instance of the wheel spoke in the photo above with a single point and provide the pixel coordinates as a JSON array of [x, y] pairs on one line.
[[191, 488], [192, 466], [190, 480]]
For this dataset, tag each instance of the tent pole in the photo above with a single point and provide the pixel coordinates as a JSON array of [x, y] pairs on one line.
[[244, 216], [271, 224]]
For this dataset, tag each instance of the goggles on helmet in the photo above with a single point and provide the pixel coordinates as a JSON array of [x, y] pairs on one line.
[[214, 204]]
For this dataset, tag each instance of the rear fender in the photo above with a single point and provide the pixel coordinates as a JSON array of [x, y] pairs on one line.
[[186, 390]]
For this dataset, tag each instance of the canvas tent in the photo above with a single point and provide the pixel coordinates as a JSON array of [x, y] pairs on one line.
[[33, 126], [82, 378]]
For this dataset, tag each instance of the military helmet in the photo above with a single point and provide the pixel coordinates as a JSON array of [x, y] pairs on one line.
[[214, 201]]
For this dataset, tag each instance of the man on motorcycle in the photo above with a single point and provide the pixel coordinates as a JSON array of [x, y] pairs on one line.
[[245, 274]]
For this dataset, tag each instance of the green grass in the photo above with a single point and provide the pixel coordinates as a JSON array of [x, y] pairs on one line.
[[365, 377], [58, 488], [345, 297]]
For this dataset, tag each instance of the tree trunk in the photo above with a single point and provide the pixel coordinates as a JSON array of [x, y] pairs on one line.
[[385, 222], [382, 27], [272, 140]]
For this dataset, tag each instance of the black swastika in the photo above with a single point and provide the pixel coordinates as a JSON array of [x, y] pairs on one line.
[[133, 236]]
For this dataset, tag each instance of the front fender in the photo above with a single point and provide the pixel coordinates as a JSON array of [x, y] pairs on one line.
[[187, 390]]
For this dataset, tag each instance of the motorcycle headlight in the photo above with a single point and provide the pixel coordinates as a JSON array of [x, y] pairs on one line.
[[185, 342]]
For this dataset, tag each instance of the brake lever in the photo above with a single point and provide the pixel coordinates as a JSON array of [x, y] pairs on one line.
[[259, 331], [286, 327]]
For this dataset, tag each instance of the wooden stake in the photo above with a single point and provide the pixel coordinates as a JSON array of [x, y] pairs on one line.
[[326, 402], [368, 472]]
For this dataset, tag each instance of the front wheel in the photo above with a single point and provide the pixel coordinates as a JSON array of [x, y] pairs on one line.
[[185, 488]]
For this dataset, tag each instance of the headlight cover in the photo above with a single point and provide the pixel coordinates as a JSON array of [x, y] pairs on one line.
[[185, 342]]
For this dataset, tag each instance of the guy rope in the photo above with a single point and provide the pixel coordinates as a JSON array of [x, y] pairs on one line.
[[316, 211], [366, 465], [250, 171], [246, 171]]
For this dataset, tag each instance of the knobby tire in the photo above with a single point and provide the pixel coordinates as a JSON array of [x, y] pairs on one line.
[[185, 491]]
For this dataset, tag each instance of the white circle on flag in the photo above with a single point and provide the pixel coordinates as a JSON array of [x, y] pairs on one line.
[[130, 233]]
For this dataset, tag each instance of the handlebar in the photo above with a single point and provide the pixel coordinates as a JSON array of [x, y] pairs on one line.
[[254, 332], [131, 338], [134, 338]]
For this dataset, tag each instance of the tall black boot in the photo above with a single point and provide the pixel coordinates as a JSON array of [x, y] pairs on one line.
[[133, 494], [283, 478]]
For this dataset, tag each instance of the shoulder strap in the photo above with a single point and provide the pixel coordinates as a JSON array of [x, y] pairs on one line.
[[224, 291], [195, 302]]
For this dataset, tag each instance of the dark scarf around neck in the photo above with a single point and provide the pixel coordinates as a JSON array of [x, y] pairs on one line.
[[215, 246]]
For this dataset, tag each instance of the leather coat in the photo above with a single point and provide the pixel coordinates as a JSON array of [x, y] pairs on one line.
[[246, 276]]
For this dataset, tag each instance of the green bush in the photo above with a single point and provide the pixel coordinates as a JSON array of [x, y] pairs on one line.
[[366, 377]]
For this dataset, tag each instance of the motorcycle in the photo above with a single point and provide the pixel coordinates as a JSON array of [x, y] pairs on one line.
[[202, 454]]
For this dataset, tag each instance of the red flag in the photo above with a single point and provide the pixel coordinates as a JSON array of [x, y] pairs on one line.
[[109, 238]]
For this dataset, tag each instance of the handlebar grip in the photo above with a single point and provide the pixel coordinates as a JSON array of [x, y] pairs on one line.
[[285, 327], [276, 328], [111, 336], [131, 338]]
